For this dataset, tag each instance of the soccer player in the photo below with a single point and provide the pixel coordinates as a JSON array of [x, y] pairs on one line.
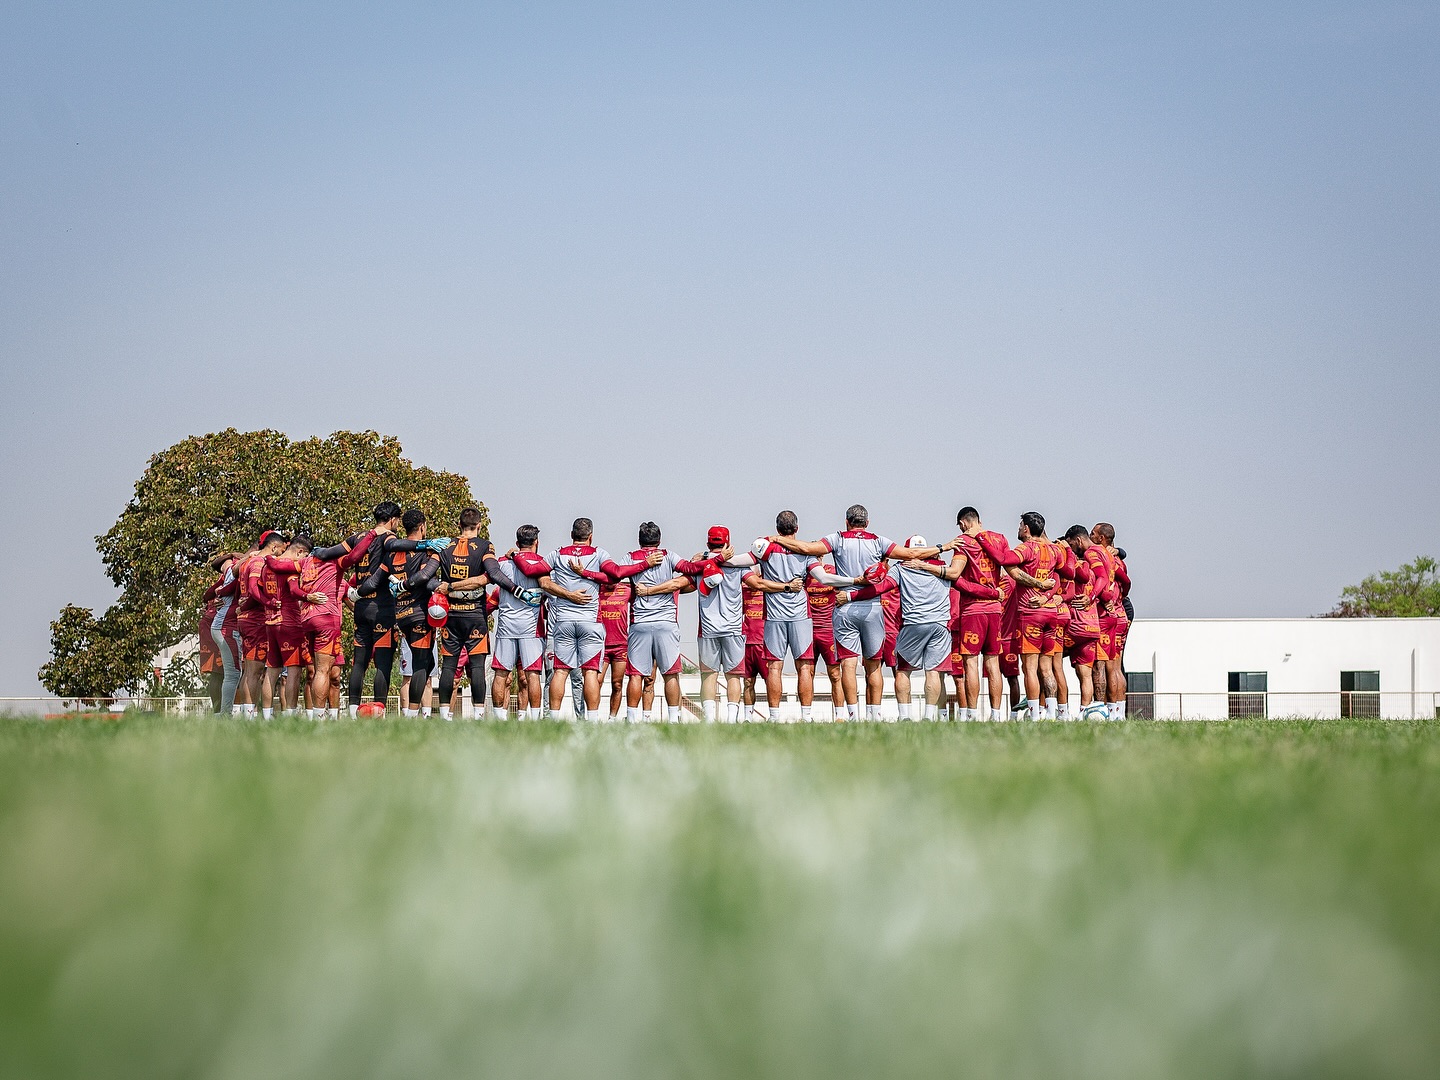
[[821, 600], [575, 635], [375, 612], [721, 578], [1034, 610], [1114, 625], [225, 630], [210, 665], [923, 639], [411, 587], [1084, 629], [784, 572], [284, 638], [520, 627], [653, 644], [316, 580], [754, 667], [253, 615], [615, 598], [466, 565], [860, 624]]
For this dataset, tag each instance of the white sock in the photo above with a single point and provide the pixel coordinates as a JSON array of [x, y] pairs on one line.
[[904, 708], [632, 713], [749, 714], [1117, 710], [732, 712], [533, 713], [269, 714], [929, 712], [1051, 705], [852, 712], [352, 711], [966, 714], [1037, 710], [444, 711], [709, 707], [807, 713], [1062, 711], [872, 713]]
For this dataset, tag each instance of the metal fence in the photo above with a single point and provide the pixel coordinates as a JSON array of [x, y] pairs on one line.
[[1396, 705]]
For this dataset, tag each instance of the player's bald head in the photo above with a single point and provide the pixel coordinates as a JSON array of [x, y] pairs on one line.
[[1104, 533], [857, 517]]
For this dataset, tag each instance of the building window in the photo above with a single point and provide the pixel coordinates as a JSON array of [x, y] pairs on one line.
[[1359, 693], [1247, 693], [1140, 694]]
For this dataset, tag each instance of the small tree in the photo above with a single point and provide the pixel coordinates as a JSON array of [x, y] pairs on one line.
[[216, 492], [1412, 591]]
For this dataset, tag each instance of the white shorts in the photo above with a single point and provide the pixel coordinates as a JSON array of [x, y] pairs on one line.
[[923, 645], [860, 628], [722, 653], [653, 644], [526, 653], [407, 661], [577, 644]]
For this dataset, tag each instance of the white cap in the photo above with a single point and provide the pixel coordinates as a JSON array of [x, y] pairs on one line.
[[761, 545], [916, 541]]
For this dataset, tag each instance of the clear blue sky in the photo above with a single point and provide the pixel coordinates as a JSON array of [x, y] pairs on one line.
[[1172, 267]]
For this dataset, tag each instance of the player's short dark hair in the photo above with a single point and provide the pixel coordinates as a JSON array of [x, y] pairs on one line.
[[1076, 531], [526, 535], [857, 515], [1106, 530], [412, 519], [1120, 552], [649, 534], [1034, 521], [303, 541], [583, 529], [386, 510], [786, 523], [967, 515], [470, 517], [220, 560], [274, 536]]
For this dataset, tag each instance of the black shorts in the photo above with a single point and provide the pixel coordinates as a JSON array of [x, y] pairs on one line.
[[374, 627], [465, 632], [418, 632]]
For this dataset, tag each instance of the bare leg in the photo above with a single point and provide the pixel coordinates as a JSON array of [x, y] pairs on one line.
[[774, 688], [874, 682]]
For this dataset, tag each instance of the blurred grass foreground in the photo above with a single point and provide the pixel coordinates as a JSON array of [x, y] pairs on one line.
[[411, 899]]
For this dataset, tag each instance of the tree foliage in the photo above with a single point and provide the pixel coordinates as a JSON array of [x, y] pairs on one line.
[[1409, 592], [217, 492]]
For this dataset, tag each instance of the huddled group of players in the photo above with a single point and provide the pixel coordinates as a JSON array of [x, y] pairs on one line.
[[973, 610]]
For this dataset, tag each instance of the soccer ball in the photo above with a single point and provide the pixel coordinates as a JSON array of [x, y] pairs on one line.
[[371, 708]]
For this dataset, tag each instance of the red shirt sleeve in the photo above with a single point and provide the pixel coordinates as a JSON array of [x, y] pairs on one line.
[[254, 588], [1000, 551], [975, 589], [874, 589], [356, 553], [685, 566], [618, 573]]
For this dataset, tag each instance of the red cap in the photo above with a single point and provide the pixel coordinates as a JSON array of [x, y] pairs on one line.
[[437, 601], [719, 534], [265, 536]]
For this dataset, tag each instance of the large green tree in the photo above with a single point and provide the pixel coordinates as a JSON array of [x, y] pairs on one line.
[[213, 493], [1409, 592]]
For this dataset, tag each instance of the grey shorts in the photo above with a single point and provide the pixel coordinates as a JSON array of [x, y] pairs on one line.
[[526, 653], [860, 628], [652, 645], [923, 645], [577, 644], [796, 636], [407, 659], [722, 653]]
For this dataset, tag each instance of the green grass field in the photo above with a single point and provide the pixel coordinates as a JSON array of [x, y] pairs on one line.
[[410, 899]]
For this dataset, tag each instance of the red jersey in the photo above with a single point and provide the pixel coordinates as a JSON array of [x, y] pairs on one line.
[[311, 575], [753, 609], [956, 603], [890, 607], [615, 611], [981, 569], [821, 599], [281, 606], [1037, 558], [250, 597], [1106, 590]]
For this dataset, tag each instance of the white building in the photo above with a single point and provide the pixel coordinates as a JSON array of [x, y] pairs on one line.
[[1214, 668]]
